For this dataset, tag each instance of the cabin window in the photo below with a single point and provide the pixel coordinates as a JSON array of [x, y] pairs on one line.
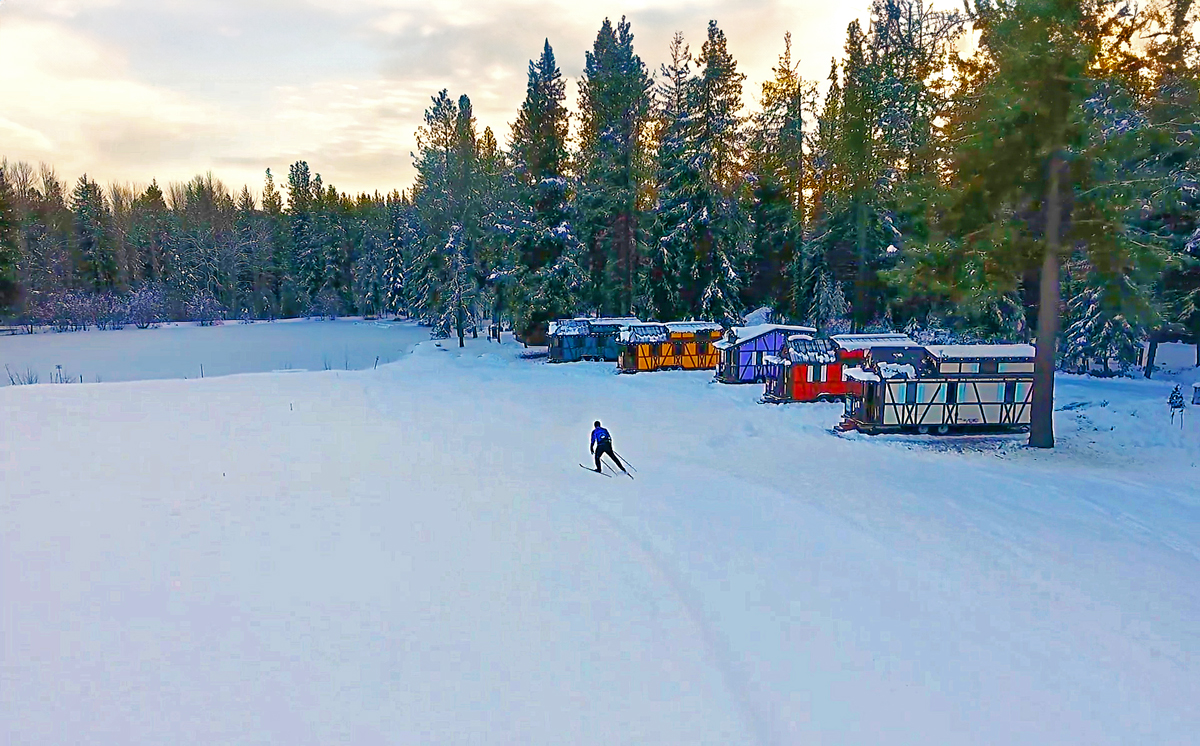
[[679, 349], [1010, 392], [702, 348], [758, 358], [989, 366], [951, 393], [911, 394]]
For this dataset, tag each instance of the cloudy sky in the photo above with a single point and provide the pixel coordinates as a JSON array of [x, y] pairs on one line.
[[129, 90]]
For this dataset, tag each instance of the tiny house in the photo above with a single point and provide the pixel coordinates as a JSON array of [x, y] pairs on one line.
[[687, 345], [572, 340], [808, 369], [603, 340], [745, 350], [566, 340], [947, 388]]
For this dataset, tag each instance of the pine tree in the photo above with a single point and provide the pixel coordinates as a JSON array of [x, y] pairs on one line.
[[541, 227], [447, 199], [396, 278], [676, 179], [776, 203], [701, 226], [614, 100], [8, 245], [1098, 330], [97, 264], [1037, 160]]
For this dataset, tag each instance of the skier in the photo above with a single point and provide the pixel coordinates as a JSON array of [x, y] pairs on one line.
[[602, 444]]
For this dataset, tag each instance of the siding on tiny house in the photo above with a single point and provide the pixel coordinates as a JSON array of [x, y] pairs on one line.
[[744, 361]]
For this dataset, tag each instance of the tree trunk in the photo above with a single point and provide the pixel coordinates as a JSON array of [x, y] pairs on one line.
[[860, 295], [1041, 429]]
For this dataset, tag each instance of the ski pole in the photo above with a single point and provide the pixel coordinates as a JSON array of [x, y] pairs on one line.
[[624, 460]]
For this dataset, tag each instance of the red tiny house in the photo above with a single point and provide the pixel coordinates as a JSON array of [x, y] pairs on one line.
[[809, 370]]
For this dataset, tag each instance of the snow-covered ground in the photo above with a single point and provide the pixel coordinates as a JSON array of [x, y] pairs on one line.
[[412, 555], [179, 350]]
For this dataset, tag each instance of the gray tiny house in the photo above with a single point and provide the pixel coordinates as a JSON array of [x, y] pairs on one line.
[[943, 389]]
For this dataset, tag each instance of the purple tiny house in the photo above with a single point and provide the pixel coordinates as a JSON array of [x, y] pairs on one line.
[[744, 350]]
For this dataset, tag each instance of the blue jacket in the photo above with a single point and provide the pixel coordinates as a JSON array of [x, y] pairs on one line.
[[600, 435]]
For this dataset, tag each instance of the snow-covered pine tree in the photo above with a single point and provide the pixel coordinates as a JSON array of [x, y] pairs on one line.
[[776, 204], [1101, 325], [396, 251], [303, 236], [676, 180], [830, 310], [447, 201], [701, 226], [369, 268], [460, 293], [614, 101], [541, 225], [97, 263], [8, 245]]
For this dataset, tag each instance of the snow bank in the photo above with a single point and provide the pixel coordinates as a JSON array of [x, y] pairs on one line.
[[411, 555]]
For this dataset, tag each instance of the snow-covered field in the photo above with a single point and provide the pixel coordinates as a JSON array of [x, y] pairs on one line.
[[179, 350], [412, 555]]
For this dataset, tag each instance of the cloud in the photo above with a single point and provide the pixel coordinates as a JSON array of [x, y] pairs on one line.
[[140, 89]]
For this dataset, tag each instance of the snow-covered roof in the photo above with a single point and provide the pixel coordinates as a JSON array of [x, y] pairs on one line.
[[858, 374], [973, 352], [690, 327], [867, 341], [747, 333], [583, 325], [644, 333], [776, 360], [616, 320], [569, 327], [897, 370], [804, 349]]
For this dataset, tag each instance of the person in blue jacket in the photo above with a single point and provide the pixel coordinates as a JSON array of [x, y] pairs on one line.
[[602, 444]]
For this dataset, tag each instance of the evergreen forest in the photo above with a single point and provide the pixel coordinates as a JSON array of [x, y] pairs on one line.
[[1011, 170]]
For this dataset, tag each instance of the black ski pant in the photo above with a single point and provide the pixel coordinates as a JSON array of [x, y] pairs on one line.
[[603, 448]]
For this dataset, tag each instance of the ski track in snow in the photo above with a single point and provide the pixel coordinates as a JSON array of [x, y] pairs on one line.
[[409, 555]]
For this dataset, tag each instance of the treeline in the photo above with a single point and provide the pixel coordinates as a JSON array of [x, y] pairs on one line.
[[923, 185]]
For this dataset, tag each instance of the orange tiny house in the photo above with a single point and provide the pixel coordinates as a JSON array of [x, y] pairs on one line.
[[687, 345]]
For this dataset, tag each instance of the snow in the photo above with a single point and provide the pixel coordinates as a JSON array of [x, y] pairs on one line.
[[747, 333], [178, 350], [691, 327], [411, 555], [644, 333], [894, 370], [858, 374], [760, 316], [852, 342], [583, 325], [569, 328], [943, 352], [1172, 356]]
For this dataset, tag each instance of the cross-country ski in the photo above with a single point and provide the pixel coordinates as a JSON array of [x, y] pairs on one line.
[[601, 473]]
